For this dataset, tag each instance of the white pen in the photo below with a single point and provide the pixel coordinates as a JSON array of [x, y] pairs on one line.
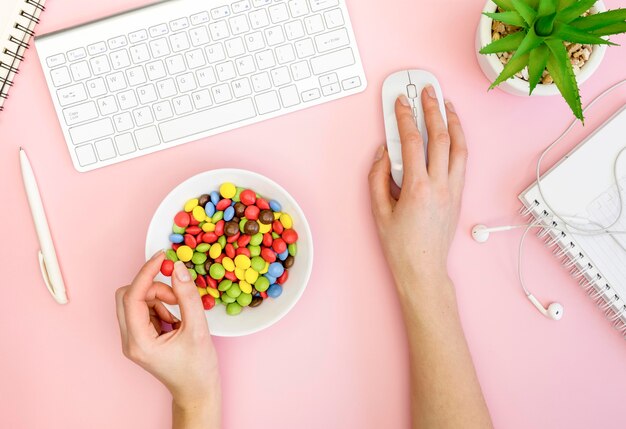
[[48, 262]]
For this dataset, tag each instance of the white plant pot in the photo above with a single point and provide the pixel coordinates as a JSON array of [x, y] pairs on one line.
[[492, 67]]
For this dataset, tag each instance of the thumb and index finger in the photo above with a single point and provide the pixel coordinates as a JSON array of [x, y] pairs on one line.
[[191, 308]]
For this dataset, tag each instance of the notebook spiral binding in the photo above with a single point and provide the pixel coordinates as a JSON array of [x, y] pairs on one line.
[[20, 41], [612, 305]]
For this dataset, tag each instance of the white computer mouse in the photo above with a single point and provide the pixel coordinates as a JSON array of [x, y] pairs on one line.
[[411, 83]]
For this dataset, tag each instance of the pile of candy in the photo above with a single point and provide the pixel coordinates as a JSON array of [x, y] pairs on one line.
[[237, 246]]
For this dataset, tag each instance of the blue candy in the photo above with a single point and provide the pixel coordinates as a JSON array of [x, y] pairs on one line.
[[215, 197], [276, 269], [274, 291], [270, 278], [209, 209], [176, 238], [284, 255], [275, 205], [229, 214]]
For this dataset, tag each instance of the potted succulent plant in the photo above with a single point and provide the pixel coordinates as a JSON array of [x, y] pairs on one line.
[[543, 47]]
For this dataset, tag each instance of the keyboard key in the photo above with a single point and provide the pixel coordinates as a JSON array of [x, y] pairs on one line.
[[298, 8], [333, 61], [215, 53], [259, 3], [202, 99], [158, 30], [279, 13], [280, 76], [167, 88], [100, 65], [333, 40], [199, 36], [310, 95], [105, 149], [123, 122], [259, 19], [55, 60], [241, 6], [221, 93], [96, 87], [353, 82], [245, 65], [331, 89], [261, 82], [219, 30], [186, 82], [267, 102], [156, 70], [200, 18], [125, 144], [235, 47], [143, 116], [220, 12], [60, 76], [81, 113], [207, 120], [317, 5], [138, 36], [314, 24], [86, 155], [97, 48], [119, 59], [265, 60], [118, 42], [300, 70], [206, 77], [127, 99], [72, 94], [107, 105], [179, 24], [147, 94], [175, 64], [163, 110], [239, 24], [159, 48], [328, 79], [254, 41], [136, 76], [91, 131], [140, 53], [275, 35], [148, 137], [304, 48], [225, 71], [76, 54], [182, 105], [285, 54], [241, 88], [195, 59], [294, 30], [80, 71], [334, 18], [179, 42], [116, 82], [289, 96]]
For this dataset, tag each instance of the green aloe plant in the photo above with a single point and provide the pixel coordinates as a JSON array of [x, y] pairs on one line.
[[544, 26]]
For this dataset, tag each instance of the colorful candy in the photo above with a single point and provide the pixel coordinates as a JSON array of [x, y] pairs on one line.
[[237, 246]]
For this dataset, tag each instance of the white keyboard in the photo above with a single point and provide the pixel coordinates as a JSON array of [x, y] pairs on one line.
[[179, 70]]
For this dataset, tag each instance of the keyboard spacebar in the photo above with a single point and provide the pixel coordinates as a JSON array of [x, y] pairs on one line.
[[207, 120]]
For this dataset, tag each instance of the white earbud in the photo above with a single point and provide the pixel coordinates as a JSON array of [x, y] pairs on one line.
[[480, 233], [554, 310]]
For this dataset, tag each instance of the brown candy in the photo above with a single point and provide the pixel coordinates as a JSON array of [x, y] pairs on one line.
[[256, 301], [251, 227], [190, 264], [231, 228], [240, 209], [236, 220], [266, 217], [289, 261], [207, 265], [203, 200]]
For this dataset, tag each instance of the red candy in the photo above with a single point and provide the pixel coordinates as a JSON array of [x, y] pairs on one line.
[[210, 237], [193, 230], [252, 212], [176, 246], [208, 302], [201, 282], [262, 204], [212, 283], [264, 295], [234, 238], [242, 251], [229, 250], [182, 219], [193, 221], [167, 267], [290, 236], [268, 254], [219, 228], [267, 239], [248, 197], [230, 276], [243, 240], [278, 227], [219, 258], [283, 278], [223, 204], [279, 245], [190, 241]]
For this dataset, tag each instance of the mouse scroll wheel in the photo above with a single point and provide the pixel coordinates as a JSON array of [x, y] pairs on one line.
[[411, 91]]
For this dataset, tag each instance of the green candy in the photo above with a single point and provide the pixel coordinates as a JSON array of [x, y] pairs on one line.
[[217, 271], [225, 285], [254, 250], [237, 197], [256, 239], [262, 284], [244, 299], [293, 249], [203, 247], [242, 223], [217, 216], [257, 263], [275, 236], [218, 301], [222, 241], [171, 255], [198, 258], [193, 274], [228, 299], [233, 309], [200, 269], [235, 245], [178, 229], [233, 291]]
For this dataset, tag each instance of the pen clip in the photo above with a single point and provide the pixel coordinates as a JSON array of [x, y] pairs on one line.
[[46, 279]]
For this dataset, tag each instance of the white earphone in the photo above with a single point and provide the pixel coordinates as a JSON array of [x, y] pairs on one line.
[[481, 233]]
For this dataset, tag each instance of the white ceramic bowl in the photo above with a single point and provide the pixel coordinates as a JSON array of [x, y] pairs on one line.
[[250, 320]]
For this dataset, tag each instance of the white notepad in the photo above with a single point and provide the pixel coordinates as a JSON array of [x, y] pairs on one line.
[[582, 185], [17, 23]]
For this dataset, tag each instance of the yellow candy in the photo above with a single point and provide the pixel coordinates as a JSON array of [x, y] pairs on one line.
[[228, 264], [245, 287], [228, 190], [198, 213], [189, 205], [277, 215], [208, 227], [213, 292], [264, 229], [214, 252], [285, 219], [185, 253], [251, 276], [240, 273], [242, 261], [202, 291], [266, 268]]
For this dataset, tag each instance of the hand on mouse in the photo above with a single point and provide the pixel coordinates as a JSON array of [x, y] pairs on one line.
[[184, 360], [417, 227]]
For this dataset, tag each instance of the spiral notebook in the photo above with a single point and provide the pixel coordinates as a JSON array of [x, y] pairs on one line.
[[582, 185], [17, 23]]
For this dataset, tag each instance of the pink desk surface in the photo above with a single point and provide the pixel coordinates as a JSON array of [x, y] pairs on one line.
[[339, 359]]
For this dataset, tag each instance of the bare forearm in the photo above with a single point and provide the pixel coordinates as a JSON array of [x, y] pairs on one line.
[[445, 392], [201, 415]]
